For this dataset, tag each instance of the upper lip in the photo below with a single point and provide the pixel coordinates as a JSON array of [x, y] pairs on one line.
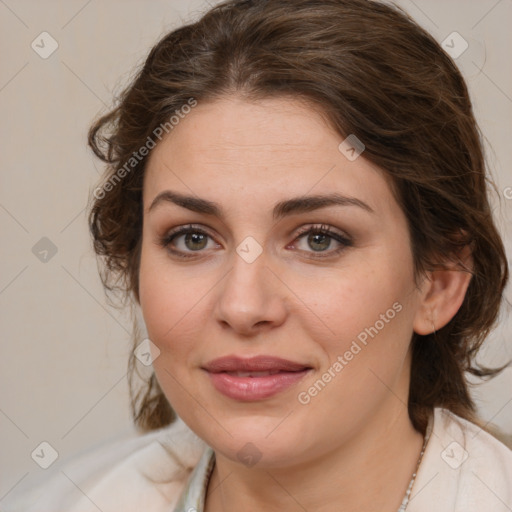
[[253, 364]]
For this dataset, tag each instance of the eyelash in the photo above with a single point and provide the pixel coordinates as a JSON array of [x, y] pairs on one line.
[[322, 229]]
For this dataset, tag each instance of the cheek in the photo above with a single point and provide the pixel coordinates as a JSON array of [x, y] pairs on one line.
[[365, 350], [169, 316], [167, 299], [173, 326], [350, 303], [370, 327], [173, 319], [177, 306]]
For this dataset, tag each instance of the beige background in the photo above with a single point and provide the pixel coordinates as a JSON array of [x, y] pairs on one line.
[[64, 351]]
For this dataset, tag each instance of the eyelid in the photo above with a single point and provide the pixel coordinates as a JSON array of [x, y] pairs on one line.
[[188, 227], [323, 228]]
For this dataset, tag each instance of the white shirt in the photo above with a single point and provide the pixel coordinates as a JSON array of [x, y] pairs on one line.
[[464, 469]]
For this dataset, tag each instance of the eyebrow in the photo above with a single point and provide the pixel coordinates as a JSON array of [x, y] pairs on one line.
[[282, 209]]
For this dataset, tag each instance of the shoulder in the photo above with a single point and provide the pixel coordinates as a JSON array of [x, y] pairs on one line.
[[464, 468], [147, 471]]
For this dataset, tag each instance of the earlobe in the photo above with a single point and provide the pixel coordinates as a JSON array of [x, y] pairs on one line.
[[443, 293]]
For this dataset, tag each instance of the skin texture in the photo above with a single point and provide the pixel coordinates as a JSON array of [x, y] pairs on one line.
[[353, 443]]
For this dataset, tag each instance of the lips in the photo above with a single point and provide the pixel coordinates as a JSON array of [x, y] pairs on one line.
[[253, 374], [253, 364], [255, 378]]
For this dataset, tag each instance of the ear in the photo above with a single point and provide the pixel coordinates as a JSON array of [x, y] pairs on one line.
[[442, 294]]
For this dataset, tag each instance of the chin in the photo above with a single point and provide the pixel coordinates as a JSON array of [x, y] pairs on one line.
[[255, 441]]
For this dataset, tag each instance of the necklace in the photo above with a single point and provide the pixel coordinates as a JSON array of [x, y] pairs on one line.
[[405, 501]]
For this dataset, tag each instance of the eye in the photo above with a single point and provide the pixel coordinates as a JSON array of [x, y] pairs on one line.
[[187, 239], [319, 239]]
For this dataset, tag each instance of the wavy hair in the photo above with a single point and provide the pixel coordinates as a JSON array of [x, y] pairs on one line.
[[372, 72]]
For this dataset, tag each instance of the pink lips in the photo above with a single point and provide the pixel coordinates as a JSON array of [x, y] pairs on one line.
[[255, 378]]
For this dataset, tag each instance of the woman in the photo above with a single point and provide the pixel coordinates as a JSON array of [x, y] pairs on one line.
[[296, 199]]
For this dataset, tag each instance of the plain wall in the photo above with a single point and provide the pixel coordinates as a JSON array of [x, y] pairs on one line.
[[64, 350]]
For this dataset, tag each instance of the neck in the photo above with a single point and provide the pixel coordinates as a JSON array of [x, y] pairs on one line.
[[369, 473]]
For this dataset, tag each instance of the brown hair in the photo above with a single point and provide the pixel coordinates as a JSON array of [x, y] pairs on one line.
[[373, 72]]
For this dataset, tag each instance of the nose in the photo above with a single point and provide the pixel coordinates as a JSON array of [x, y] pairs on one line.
[[250, 297]]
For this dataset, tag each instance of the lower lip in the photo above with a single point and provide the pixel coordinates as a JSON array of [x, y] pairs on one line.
[[248, 389]]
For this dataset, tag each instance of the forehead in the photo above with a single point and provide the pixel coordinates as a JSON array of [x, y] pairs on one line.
[[273, 147]]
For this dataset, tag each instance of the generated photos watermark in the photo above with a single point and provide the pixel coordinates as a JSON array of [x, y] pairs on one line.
[[357, 345], [137, 156]]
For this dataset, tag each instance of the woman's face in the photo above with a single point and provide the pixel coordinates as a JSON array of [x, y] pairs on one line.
[[270, 331]]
